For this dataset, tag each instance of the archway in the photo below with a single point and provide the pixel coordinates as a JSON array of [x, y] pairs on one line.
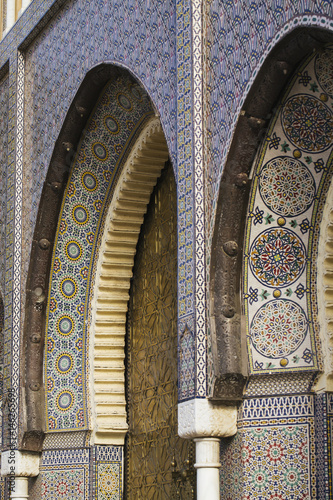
[[277, 284], [111, 170], [229, 352]]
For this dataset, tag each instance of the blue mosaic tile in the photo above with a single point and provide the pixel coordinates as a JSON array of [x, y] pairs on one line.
[[108, 472], [85, 473], [321, 422], [3, 175], [63, 474]]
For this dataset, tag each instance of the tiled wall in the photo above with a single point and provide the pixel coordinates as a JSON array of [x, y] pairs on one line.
[[240, 34], [80, 474], [290, 181], [273, 454]]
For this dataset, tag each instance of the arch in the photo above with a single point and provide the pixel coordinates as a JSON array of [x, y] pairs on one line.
[[52, 201], [113, 277], [228, 343], [290, 179]]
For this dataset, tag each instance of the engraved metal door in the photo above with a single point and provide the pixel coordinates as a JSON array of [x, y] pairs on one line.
[[159, 464]]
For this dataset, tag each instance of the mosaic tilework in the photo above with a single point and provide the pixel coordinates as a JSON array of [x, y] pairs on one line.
[[63, 474], [91, 39], [191, 274], [80, 474], [240, 34], [16, 283], [3, 173], [122, 110], [286, 383], [60, 440], [322, 465], [12, 299], [329, 440], [186, 377], [272, 455], [186, 285], [291, 176], [198, 167], [108, 469], [83, 34]]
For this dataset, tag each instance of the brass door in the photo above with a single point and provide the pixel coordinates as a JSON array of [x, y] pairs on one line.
[[159, 465]]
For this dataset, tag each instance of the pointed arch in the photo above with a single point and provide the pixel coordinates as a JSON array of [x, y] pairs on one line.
[[228, 342], [113, 276], [57, 189]]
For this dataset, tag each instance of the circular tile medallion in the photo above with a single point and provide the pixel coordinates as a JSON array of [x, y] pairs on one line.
[[277, 257], [64, 363], [278, 328], [286, 186], [65, 400], [324, 70], [65, 325], [308, 123]]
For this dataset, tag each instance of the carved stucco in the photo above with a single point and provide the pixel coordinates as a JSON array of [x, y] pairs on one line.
[[111, 290]]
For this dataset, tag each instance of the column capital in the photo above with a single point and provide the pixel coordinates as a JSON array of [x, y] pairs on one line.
[[201, 418], [18, 463]]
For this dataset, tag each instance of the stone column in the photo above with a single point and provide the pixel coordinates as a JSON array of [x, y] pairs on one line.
[[207, 457]]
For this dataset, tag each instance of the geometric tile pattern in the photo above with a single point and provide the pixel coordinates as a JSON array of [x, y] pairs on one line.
[[59, 440], [330, 442], [291, 175], [239, 37], [108, 472], [199, 355], [323, 475], [287, 383], [3, 174], [185, 180], [63, 474], [120, 114], [17, 249], [191, 275], [186, 364], [80, 474], [85, 34], [108, 481], [11, 349], [272, 456]]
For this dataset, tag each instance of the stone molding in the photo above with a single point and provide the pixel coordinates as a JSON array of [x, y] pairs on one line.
[[17, 463], [201, 418]]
